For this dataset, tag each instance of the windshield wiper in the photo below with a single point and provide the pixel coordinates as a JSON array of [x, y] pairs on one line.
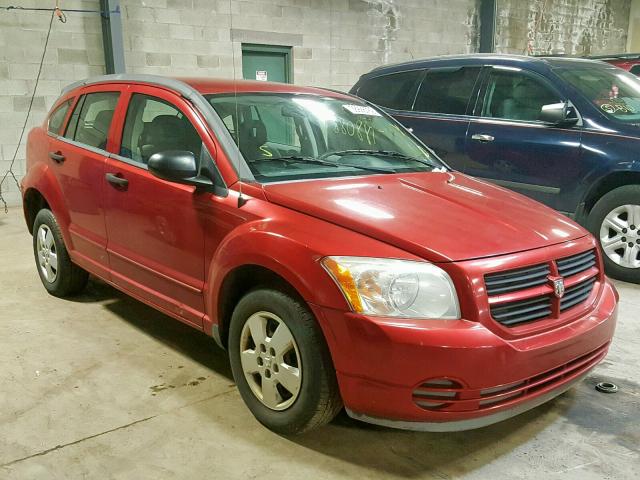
[[383, 153], [319, 161]]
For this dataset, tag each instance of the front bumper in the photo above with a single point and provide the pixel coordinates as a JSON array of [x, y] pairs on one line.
[[457, 374]]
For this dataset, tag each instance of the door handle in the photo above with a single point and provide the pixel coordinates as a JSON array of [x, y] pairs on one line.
[[117, 181], [57, 157], [482, 137]]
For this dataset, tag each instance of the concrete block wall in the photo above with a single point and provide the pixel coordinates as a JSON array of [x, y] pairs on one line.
[[74, 51], [570, 27]]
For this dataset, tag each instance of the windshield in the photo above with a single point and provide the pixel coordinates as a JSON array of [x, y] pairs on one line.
[[293, 137], [612, 90]]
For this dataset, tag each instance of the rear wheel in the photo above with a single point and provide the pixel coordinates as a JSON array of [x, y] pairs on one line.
[[281, 363], [59, 275], [615, 222]]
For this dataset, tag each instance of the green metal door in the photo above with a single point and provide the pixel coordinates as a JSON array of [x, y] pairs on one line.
[[266, 62]]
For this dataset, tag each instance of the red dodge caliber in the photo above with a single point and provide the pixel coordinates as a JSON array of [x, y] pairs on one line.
[[334, 256]]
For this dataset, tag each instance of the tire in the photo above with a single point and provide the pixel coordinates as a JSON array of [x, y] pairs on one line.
[[317, 400], [622, 205], [59, 275]]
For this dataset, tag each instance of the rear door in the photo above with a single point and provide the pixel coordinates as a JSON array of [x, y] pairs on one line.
[[440, 114], [508, 145], [155, 227], [77, 159]]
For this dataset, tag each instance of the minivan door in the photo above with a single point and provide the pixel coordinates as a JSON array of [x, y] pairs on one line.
[[507, 144]]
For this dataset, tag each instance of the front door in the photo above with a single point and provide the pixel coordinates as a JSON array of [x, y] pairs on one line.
[[156, 228], [508, 145], [77, 159], [266, 63]]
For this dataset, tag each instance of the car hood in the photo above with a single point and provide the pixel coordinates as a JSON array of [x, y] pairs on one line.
[[438, 216]]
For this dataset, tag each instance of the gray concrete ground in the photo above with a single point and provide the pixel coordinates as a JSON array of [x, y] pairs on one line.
[[105, 387]]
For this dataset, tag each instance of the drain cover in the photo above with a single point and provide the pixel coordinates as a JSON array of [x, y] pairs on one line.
[[607, 387]]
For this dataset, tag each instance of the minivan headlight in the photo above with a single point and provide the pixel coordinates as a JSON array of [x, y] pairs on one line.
[[394, 288]]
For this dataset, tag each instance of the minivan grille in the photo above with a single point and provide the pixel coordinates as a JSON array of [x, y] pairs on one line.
[[516, 296]]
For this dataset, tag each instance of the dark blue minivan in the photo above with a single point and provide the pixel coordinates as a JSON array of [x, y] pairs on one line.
[[563, 131]]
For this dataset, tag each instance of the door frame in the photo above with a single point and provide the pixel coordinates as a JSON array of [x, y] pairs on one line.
[[281, 49]]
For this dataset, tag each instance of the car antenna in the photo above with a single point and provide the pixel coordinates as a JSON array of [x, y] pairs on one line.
[[241, 199]]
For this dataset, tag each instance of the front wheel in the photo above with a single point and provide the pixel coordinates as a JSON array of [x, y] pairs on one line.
[[281, 363], [615, 222]]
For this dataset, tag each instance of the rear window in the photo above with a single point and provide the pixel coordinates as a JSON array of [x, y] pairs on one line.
[[91, 119], [396, 90], [57, 117], [447, 90]]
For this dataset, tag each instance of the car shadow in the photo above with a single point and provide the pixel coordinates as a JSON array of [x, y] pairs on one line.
[[392, 452]]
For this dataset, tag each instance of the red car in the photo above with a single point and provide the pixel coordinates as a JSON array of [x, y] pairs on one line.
[[627, 61], [329, 251]]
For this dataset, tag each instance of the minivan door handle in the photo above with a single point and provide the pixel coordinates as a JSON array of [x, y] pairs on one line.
[[117, 181], [57, 157], [482, 137]]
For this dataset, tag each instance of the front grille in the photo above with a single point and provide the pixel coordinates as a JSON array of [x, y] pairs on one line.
[[512, 313], [576, 294], [526, 294], [576, 263], [512, 280]]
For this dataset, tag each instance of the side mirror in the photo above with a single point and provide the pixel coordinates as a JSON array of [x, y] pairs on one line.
[[558, 114], [174, 165]]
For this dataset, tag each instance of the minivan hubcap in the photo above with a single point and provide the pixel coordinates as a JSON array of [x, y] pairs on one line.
[[47, 254], [270, 360], [619, 235]]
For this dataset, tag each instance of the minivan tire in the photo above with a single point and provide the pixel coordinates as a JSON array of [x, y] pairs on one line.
[[69, 279], [626, 195], [318, 398]]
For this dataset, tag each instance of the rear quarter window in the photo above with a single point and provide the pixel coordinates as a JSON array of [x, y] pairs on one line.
[[57, 117], [395, 90]]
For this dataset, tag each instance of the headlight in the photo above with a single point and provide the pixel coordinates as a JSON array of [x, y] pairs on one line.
[[394, 288]]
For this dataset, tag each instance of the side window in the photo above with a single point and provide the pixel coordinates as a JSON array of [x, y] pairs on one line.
[[635, 70], [447, 90], [91, 119], [154, 125], [57, 117], [395, 90], [516, 96]]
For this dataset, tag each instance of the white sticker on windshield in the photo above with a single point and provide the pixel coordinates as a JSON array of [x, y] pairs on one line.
[[362, 110]]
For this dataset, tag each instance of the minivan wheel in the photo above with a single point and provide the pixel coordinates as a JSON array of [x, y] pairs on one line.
[[281, 363], [59, 275], [615, 222]]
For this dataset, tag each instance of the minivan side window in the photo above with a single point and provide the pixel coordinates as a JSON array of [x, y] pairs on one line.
[[57, 117], [516, 96], [91, 119], [154, 125], [396, 90], [447, 90]]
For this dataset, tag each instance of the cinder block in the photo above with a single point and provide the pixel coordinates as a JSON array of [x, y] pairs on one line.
[[21, 104], [158, 59], [208, 61], [71, 55]]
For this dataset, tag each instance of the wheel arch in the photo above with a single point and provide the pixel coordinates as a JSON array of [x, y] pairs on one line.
[[605, 185], [33, 202]]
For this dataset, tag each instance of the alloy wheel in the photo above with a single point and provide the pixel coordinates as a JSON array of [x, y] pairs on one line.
[[47, 253], [270, 360], [620, 237]]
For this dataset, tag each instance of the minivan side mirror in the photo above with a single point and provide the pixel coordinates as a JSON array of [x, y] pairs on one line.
[[558, 114]]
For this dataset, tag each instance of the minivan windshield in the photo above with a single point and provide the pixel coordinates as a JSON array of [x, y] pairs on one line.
[[615, 92], [295, 136]]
